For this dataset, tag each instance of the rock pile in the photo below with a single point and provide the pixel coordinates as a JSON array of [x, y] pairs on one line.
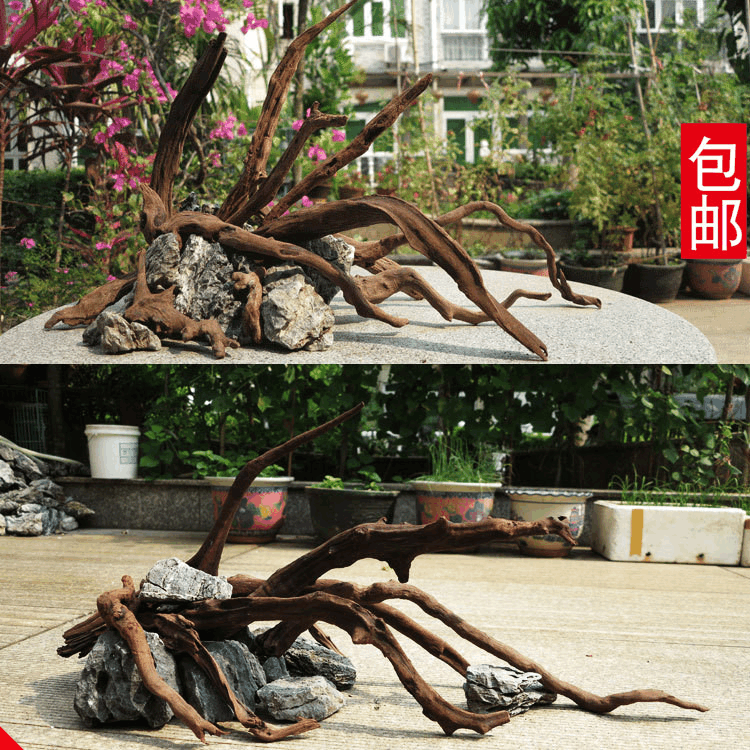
[[303, 683], [208, 280], [31, 504]]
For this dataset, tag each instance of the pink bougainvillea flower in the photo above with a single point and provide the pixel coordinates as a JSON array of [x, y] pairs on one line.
[[103, 246], [338, 135], [128, 22], [111, 278], [316, 153], [11, 275], [43, 15], [297, 124], [27, 243], [306, 201]]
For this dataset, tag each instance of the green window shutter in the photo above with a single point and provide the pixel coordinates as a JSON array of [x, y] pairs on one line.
[[358, 19], [398, 10], [377, 18]]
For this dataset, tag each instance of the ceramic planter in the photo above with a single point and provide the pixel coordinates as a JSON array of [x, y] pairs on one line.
[[456, 501], [535, 504], [619, 238], [516, 263], [713, 279], [607, 277], [333, 511], [745, 557], [656, 282], [261, 514], [744, 286], [667, 533]]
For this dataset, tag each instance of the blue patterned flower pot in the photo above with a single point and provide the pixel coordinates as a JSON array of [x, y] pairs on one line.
[[535, 504]]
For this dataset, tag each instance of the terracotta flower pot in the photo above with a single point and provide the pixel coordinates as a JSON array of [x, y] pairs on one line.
[[713, 279], [744, 286], [261, 514]]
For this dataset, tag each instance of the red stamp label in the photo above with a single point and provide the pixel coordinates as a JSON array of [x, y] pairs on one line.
[[713, 165]]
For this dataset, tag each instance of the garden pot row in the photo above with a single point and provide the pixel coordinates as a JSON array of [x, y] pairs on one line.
[[619, 532], [652, 281]]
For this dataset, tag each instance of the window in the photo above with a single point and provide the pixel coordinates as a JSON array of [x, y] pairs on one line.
[[378, 18], [663, 14], [462, 15]]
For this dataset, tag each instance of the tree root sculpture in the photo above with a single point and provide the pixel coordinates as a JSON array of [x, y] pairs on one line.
[[277, 237], [299, 598]]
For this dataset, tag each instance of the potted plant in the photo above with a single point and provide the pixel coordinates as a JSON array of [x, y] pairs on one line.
[[596, 267], [713, 278], [336, 505], [744, 286], [261, 514], [654, 523], [529, 260], [461, 484], [351, 183], [534, 504], [656, 279], [386, 180]]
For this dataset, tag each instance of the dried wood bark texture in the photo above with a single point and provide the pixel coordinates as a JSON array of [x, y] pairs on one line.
[[299, 598], [276, 237]]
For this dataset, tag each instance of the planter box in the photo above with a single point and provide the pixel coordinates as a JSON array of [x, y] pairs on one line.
[[667, 533]]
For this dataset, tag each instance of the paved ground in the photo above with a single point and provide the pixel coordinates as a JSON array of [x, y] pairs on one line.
[[725, 323], [602, 625]]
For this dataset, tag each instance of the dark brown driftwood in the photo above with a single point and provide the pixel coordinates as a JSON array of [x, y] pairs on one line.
[[278, 237], [299, 598]]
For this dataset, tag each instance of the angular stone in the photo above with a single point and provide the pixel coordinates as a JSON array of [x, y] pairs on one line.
[[205, 286], [76, 509], [174, 580], [29, 468], [67, 523], [306, 658], [47, 492], [8, 479], [275, 668], [110, 688], [293, 314], [241, 669], [493, 688], [162, 262], [301, 698], [117, 335], [338, 253], [25, 524]]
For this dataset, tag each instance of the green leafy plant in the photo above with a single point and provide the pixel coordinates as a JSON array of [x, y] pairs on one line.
[[370, 481]]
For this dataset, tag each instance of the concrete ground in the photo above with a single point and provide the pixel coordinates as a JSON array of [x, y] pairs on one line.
[[605, 626], [725, 323]]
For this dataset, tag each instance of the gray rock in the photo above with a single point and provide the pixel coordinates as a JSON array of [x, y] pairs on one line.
[[31, 508], [293, 314], [305, 658], [338, 253], [8, 506], [242, 670], [205, 285], [2, 525], [174, 580], [76, 509], [67, 523], [275, 668], [8, 479], [25, 524], [47, 492], [302, 698], [29, 468], [118, 336], [110, 688], [162, 262], [492, 688]]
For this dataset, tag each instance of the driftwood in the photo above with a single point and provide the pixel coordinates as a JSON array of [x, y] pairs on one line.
[[298, 597], [276, 237]]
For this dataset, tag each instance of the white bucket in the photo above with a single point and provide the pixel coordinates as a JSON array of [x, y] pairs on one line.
[[113, 451]]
